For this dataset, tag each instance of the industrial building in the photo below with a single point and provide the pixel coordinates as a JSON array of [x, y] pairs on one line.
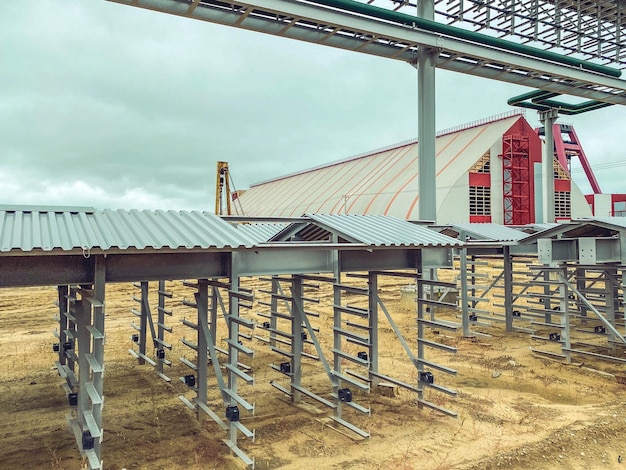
[[487, 171]]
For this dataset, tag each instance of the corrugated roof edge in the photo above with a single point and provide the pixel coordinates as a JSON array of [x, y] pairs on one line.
[[38, 208], [123, 230]]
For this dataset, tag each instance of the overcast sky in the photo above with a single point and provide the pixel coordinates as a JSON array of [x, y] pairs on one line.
[[117, 107]]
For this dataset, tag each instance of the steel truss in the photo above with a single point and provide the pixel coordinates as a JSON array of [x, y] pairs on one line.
[[594, 30], [81, 361], [356, 315], [569, 305], [210, 297], [344, 30], [157, 329]]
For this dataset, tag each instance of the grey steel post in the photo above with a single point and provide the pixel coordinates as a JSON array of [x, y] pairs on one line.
[[62, 292], [83, 319], [213, 320], [233, 336], [508, 287], [426, 135], [296, 343], [73, 308], [373, 325], [581, 285], [98, 346], [464, 292], [274, 308], [336, 327], [143, 322], [161, 321], [420, 329], [548, 118], [202, 301], [565, 319], [610, 300], [547, 300]]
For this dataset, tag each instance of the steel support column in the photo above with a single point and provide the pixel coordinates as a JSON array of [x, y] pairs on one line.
[[427, 184], [62, 292], [373, 326], [548, 118], [97, 333], [202, 300], [566, 342], [297, 309], [464, 291], [419, 291], [508, 287]]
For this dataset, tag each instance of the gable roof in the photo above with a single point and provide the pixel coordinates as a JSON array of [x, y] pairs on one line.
[[383, 182], [372, 230], [487, 232]]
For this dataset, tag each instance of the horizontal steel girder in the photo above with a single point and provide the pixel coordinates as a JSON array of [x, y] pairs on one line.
[[314, 24]]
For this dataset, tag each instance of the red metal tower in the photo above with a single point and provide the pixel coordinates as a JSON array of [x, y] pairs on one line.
[[516, 179]]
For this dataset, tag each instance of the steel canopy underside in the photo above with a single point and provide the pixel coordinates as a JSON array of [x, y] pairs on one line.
[[318, 25]]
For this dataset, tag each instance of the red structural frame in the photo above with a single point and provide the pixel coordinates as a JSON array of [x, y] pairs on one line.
[[566, 149], [517, 190]]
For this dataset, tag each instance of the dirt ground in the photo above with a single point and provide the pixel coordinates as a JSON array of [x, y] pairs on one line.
[[515, 410]]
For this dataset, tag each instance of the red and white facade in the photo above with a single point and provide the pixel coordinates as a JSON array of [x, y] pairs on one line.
[[486, 172]]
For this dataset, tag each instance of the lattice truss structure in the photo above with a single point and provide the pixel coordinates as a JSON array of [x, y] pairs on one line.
[[326, 22], [588, 29]]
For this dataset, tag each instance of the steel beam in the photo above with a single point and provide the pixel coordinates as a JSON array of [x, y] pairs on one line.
[[312, 23]]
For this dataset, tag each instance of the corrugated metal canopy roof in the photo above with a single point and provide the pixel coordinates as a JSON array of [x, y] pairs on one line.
[[260, 232], [617, 222], [592, 227], [490, 232], [373, 230], [47, 230]]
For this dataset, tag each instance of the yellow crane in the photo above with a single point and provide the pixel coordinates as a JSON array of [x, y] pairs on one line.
[[223, 194]]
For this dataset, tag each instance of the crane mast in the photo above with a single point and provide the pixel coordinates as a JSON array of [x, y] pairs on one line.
[[222, 190]]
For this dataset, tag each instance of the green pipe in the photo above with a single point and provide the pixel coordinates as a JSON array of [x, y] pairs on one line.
[[571, 109], [531, 95], [540, 101], [433, 26]]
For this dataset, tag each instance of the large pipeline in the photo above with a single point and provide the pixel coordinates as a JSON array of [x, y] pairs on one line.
[[433, 26], [542, 101]]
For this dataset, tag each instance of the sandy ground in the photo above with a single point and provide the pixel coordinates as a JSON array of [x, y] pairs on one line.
[[516, 410]]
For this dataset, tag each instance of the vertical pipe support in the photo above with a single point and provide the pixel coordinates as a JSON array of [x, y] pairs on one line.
[[426, 135], [548, 118]]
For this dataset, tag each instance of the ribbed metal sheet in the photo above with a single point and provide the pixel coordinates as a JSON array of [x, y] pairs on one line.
[[382, 182], [378, 230], [618, 222], [490, 232], [47, 230], [259, 232], [535, 228]]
